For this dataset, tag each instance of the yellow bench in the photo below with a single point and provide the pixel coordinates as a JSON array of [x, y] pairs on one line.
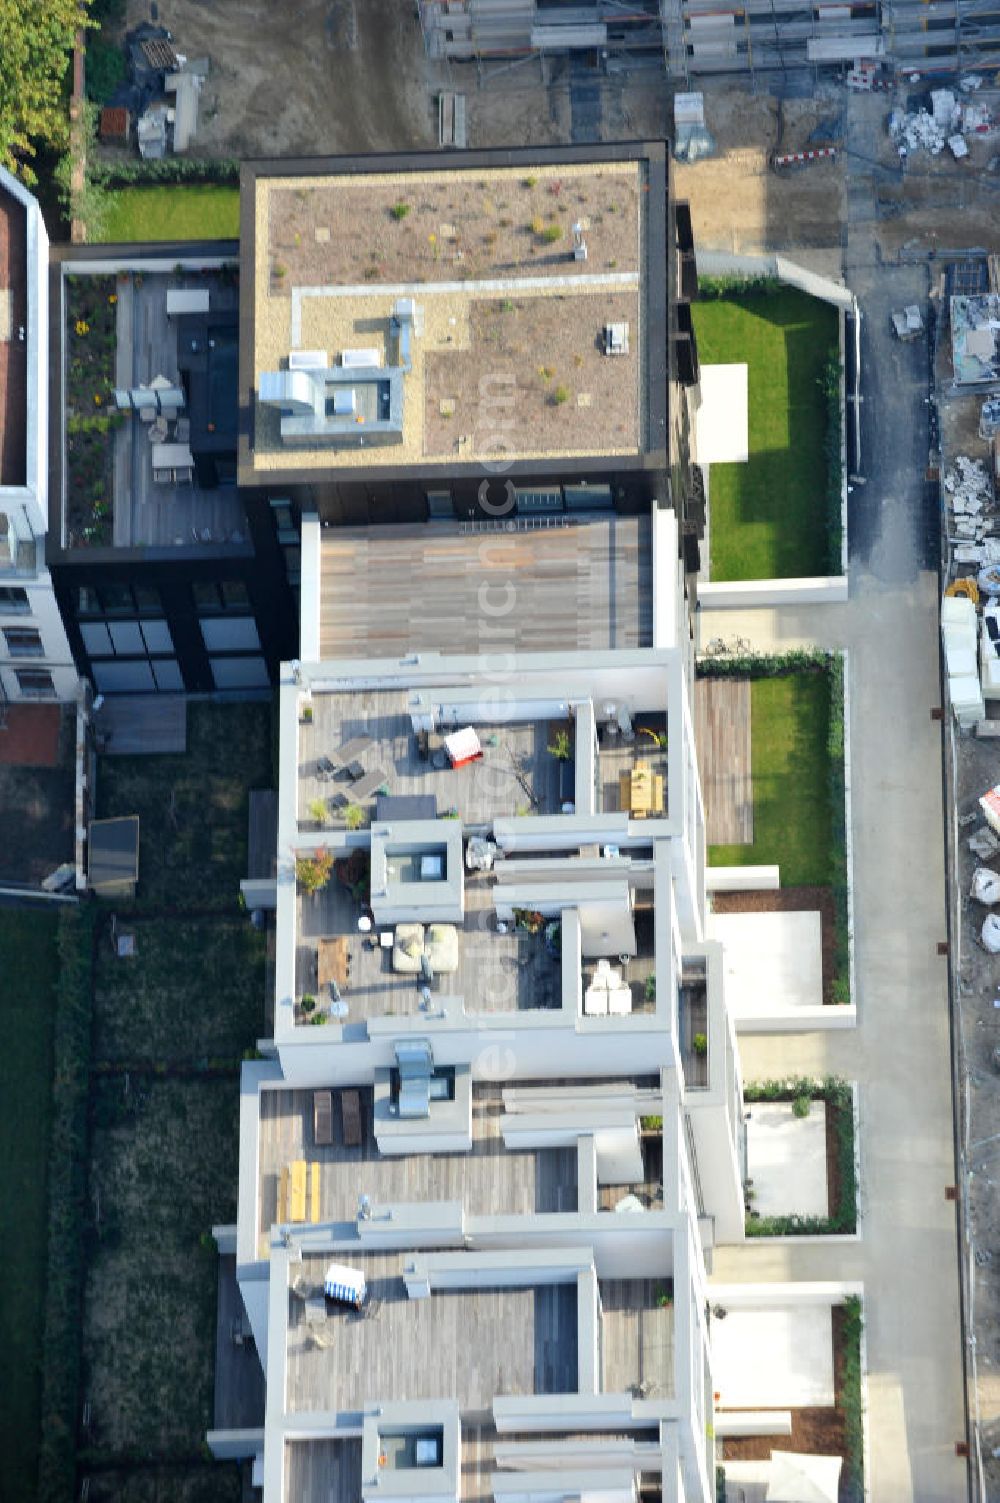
[[297, 1198]]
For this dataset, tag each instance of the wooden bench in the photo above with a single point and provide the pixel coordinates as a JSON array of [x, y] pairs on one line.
[[350, 1110], [297, 1198], [322, 1118]]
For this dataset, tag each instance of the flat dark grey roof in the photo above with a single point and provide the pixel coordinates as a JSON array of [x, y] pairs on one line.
[[114, 852]]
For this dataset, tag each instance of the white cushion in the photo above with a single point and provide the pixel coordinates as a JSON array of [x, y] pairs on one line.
[[441, 948], [595, 1001], [408, 946]]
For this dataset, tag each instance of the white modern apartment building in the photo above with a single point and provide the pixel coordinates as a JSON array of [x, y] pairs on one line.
[[35, 659], [505, 990], [497, 1129]]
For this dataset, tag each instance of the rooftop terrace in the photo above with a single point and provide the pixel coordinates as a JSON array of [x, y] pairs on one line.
[[495, 972], [120, 336], [323, 1471], [150, 513], [13, 343], [516, 770], [388, 592], [508, 321], [491, 1180], [473, 1344], [637, 1349]]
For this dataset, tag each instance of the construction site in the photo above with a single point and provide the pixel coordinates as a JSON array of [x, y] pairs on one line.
[[687, 37], [826, 146]]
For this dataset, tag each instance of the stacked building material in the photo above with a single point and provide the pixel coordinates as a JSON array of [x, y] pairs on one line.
[[973, 521], [958, 633]]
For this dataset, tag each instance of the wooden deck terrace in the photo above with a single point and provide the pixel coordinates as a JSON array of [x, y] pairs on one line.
[[722, 736], [516, 770], [638, 1337], [490, 1180], [616, 756], [132, 725], [441, 587], [474, 1344], [323, 1471], [239, 1377], [146, 513], [496, 972]]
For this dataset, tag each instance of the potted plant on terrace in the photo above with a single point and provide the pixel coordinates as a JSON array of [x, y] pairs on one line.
[[313, 872]]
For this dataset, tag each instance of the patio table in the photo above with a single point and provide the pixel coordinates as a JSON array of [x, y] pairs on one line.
[[347, 756]]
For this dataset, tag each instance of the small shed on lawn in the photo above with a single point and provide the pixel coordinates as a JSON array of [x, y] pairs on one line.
[[113, 856]]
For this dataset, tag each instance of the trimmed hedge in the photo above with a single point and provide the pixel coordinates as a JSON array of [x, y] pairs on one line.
[[712, 289], [67, 1205], [136, 173], [829, 385], [851, 1400], [844, 1216], [839, 875], [764, 664]]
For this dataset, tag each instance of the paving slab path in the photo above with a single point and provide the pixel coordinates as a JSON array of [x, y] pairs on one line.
[[907, 1253]]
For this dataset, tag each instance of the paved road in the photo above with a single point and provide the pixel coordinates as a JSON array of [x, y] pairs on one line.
[[899, 1053]]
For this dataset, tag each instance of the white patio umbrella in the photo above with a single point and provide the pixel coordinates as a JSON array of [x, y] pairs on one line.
[[799, 1478]]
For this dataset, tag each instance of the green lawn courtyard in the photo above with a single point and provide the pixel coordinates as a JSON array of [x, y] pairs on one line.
[[29, 966], [769, 517], [171, 1024], [184, 212], [793, 820]]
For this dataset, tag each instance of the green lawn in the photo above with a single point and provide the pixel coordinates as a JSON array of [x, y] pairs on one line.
[[164, 1170], [193, 808], [29, 970], [185, 212], [192, 985], [792, 817], [768, 517], [170, 1026]]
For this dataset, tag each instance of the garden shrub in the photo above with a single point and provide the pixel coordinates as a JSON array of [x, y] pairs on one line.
[[837, 1094]]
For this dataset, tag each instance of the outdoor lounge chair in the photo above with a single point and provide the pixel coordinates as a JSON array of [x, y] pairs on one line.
[[441, 948], [350, 1111], [322, 1118], [407, 949]]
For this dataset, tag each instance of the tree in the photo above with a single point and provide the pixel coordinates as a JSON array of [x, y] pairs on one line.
[[36, 41]]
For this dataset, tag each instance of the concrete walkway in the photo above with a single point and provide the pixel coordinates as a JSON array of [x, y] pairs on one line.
[[899, 1053]]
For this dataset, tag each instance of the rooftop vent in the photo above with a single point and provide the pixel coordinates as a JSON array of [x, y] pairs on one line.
[[616, 339], [360, 359], [579, 244], [307, 360]]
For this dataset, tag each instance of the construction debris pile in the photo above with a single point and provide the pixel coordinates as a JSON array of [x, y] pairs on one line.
[[984, 843], [975, 338], [158, 99], [973, 521], [970, 611], [949, 122]]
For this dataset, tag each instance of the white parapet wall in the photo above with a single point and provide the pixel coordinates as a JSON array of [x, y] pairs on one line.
[[802, 1020], [742, 878], [309, 647], [754, 594]]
